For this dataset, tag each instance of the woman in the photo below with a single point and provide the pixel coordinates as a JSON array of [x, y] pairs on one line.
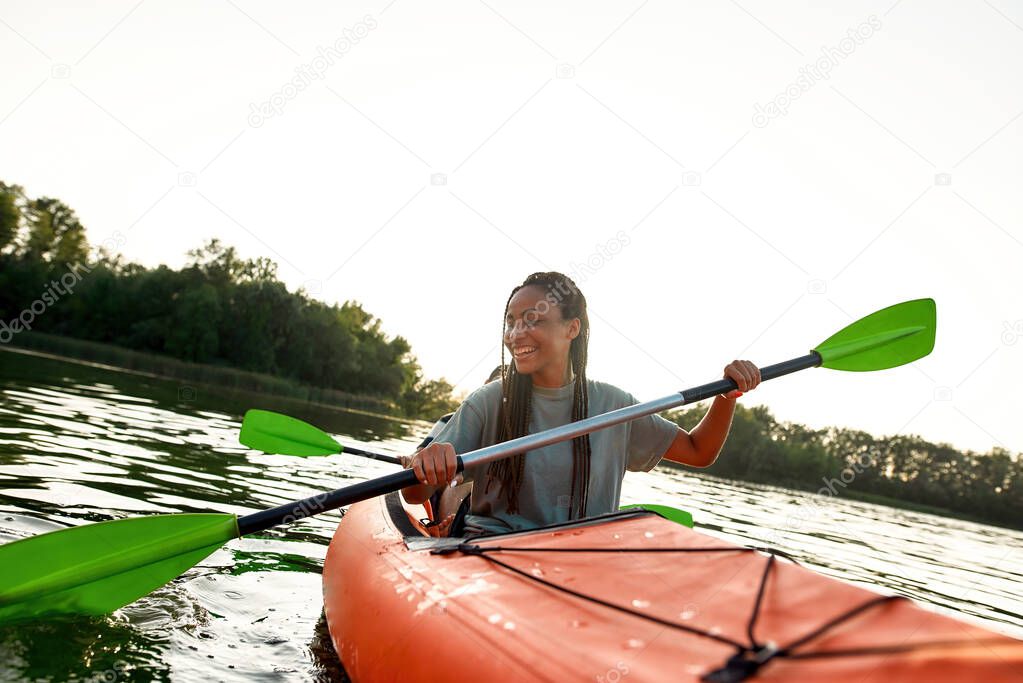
[[546, 330]]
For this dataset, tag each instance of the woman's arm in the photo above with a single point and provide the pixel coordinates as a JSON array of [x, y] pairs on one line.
[[418, 494], [700, 448]]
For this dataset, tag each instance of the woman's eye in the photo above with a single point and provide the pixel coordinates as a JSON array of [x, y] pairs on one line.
[[510, 325]]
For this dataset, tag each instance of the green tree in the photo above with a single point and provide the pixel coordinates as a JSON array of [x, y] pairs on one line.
[[193, 331], [55, 235], [11, 197], [428, 399]]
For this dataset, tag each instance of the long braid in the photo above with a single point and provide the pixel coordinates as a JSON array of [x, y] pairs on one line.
[[517, 393], [580, 411]]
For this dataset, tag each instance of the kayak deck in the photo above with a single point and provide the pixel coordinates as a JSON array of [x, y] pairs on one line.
[[628, 594]]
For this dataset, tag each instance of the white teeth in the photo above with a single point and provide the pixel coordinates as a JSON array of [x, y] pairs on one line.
[[523, 350]]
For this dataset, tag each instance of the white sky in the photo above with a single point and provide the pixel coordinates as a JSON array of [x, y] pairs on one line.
[[557, 126]]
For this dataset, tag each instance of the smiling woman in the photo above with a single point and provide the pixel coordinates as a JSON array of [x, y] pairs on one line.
[[546, 330]]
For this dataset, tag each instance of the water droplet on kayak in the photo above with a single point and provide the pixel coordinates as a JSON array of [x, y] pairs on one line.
[[234, 595], [687, 614], [640, 604], [716, 630], [494, 618], [648, 534], [536, 571], [558, 569], [509, 626], [575, 623], [634, 643], [616, 536]]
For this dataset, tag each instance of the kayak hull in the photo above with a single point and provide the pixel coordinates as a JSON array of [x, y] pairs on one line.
[[397, 611]]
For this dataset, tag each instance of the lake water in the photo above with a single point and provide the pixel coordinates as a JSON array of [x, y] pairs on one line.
[[85, 444]]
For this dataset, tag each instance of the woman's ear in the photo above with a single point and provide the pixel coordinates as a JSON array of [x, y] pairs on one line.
[[574, 327]]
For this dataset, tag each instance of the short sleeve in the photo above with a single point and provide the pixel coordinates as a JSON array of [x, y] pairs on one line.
[[649, 439]]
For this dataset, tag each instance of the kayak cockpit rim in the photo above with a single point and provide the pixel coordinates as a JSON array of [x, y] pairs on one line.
[[415, 541]]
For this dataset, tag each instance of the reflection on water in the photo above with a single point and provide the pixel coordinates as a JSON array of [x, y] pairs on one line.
[[81, 444]]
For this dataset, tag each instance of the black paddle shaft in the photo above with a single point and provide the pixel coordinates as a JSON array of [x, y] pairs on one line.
[[810, 360], [372, 456], [260, 521]]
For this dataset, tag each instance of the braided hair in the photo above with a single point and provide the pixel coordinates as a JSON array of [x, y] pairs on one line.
[[517, 397]]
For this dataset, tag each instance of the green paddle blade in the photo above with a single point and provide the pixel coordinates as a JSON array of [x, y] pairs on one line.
[[669, 513], [275, 433], [887, 338], [97, 568]]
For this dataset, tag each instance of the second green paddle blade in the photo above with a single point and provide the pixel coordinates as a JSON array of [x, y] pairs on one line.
[[275, 433], [671, 514], [97, 568], [887, 338]]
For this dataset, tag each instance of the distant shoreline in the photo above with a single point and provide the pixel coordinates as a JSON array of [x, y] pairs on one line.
[[858, 496], [118, 359]]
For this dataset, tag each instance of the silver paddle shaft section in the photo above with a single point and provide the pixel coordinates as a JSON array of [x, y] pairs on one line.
[[570, 431], [591, 424]]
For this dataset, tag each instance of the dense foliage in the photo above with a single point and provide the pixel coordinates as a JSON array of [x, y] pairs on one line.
[[220, 309], [836, 461]]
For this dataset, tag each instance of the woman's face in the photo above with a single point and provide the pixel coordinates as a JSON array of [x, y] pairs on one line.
[[538, 338]]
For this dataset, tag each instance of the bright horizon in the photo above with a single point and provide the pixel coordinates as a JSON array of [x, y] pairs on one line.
[[433, 157]]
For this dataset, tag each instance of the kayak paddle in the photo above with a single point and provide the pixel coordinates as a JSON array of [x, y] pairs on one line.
[[280, 434], [96, 568]]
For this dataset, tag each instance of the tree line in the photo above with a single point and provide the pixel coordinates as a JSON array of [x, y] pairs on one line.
[[837, 461], [218, 309]]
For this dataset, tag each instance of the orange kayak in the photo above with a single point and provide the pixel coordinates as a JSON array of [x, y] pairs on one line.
[[626, 596]]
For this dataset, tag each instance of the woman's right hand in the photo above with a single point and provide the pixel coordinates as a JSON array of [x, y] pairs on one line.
[[435, 465]]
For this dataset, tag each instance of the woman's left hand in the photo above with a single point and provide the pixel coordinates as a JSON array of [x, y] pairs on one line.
[[745, 374]]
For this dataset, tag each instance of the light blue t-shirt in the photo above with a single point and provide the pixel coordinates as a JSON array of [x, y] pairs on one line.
[[544, 497]]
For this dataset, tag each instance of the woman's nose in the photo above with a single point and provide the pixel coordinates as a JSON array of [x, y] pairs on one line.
[[516, 331]]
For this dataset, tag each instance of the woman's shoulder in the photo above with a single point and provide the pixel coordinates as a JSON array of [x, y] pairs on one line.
[[487, 395], [609, 393]]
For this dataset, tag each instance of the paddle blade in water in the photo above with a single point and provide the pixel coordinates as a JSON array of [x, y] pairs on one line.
[[887, 338], [275, 433], [97, 568]]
